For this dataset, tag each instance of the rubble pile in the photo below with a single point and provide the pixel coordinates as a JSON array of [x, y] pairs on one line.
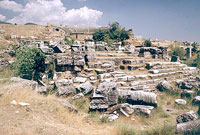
[[109, 76]]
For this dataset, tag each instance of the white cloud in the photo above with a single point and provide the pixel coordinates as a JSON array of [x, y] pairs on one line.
[[53, 11], [11, 5], [2, 17]]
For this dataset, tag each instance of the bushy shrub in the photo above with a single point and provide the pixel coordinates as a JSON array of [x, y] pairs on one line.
[[193, 61], [29, 62], [178, 51], [147, 43]]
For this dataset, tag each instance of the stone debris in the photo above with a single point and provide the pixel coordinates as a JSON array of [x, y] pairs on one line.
[[188, 116], [67, 105], [191, 127], [138, 97], [165, 86], [142, 109], [107, 75], [85, 88], [22, 83], [180, 102], [14, 102], [109, 117], [128, 109], [65, 87], [23, 104], [104, 96], [196, 100], [78, 96], [80, 80]]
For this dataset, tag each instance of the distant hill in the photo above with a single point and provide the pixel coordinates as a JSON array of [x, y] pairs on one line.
[[30, 24], [1, 22]]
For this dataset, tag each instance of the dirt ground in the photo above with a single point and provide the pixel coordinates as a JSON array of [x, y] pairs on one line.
[[44, 116]]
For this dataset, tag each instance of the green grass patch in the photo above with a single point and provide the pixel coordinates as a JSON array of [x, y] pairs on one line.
[[125, 129], [165, 130], [159, 112], [81, 104], [6, 72]]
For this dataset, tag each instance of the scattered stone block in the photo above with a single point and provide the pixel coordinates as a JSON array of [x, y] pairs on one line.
[[188, 116], [180, 102]]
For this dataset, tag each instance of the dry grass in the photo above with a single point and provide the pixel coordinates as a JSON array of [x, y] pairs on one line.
[[43, 116], [46, 116]]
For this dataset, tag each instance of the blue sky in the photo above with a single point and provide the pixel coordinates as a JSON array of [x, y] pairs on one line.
[[162, 19]]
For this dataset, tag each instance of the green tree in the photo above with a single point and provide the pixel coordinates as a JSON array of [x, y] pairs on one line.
[[124, 34], [29, 62], [194, 45], [178, 51], [147, 43], [114, 34], [99, 35]]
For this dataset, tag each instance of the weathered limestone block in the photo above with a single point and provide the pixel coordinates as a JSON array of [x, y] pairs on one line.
[[80, 80], [49, 59], [79, 62], [106, 65], [130, 78], [100, 47], [180, 102], [138, 97], [46, 50], [188, 94], [98, 104], [109, 117], [189, 128], [141, 76], [67, 105], [85, 88], [165, 86], [142, 109], [109, 90], [64, 60], [24, 83], [188, 116], [100, 71], [196, 100], [90, 57], [65, 87], [77, 69], [134, 67], [141, 97], [104, 96]]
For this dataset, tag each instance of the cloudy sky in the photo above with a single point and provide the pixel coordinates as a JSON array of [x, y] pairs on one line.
[[162, 19]]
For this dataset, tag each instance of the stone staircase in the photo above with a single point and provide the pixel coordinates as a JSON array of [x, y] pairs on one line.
[[135, 73]]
